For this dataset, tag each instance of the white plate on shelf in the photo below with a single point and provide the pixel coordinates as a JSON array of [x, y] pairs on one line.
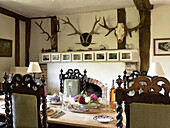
[[103, 118]]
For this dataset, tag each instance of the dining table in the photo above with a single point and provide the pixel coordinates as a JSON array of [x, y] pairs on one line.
[[73, 119]]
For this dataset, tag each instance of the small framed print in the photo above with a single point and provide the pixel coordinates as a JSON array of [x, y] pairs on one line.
[[100, 56], [112, 56], [88, 56], [76, 56], [55, 57], [66, 57], [125, 56], [45, 57], [161, 47]]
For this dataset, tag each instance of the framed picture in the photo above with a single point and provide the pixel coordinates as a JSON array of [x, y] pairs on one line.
[[161, 47], [124, 56], [76, 56], [100, 56], [88, 56], [112, 56], [5, 48], [45, 57], [55, 57], [66, 57]]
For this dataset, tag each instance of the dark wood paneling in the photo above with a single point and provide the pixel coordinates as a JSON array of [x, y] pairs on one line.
[[27, 41], [17, 43], [121, 15], [54, 30]]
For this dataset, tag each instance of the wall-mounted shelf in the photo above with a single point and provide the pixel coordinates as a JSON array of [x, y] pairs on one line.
[[121, 55]]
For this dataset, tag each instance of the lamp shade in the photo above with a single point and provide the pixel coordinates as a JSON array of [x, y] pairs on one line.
[[156, 69], [34, 67]]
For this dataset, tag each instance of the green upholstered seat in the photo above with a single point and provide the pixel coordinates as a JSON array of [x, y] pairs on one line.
[[75, 89], [144, 115], [24, 111], [2, 124]]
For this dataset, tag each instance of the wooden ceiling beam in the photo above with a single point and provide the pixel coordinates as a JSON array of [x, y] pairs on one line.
[[12, 14], [144, 33]]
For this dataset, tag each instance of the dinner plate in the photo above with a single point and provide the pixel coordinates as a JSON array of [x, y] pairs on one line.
[[103, 118], [56, 103]]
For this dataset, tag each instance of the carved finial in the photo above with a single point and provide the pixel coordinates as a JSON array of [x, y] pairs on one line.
[[5, 76], [61, 71], [43, 79], [119, 81], [85, 71]]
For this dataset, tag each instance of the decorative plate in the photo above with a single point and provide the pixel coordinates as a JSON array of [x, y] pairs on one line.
[[103, 118]]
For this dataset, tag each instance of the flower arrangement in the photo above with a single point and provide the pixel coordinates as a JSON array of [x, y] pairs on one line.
[[86, 98]]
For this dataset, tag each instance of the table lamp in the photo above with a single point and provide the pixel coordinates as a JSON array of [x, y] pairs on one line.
[[156, 69], [34, 68]]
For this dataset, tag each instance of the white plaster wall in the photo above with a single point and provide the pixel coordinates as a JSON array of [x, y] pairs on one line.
[[160, 28], [104, 72], [83, 22], [7, 31], [38, 40]]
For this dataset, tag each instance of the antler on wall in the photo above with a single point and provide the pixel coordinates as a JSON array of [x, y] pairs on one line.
[[121, 29], [43, 32], [83, 36], [53, 36], [76, 31]]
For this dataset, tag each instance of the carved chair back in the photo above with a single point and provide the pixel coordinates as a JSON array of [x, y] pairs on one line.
[[151, 94], [129, 79], [73, 74], [24, 86]]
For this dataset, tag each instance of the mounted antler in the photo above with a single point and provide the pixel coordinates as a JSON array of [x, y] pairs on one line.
[[92, 31], [129, 30], [43, 32], [85, 36], [53, 37], [58, 24], [121, 29], [76, 31], [107, 27]]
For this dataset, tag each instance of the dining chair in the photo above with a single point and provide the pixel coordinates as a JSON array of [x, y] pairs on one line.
[[147, 109], [23, 98], [75, 78]]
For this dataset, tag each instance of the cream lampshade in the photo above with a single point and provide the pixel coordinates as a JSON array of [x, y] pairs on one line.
[[156, 69], [34, 68]]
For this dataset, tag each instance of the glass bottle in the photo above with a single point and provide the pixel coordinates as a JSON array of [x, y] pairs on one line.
[[112, 97]]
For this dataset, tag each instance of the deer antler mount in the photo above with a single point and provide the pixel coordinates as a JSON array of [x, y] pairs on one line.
[[85, 38], [52, 38], [121, 29]]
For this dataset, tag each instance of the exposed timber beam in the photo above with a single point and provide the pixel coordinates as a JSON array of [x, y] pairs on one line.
[[12, 14], [144, 33]]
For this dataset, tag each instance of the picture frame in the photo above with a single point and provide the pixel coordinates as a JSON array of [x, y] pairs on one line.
[[100, 56], [5, 48], [88, 56], [161, 47], [55, 57], [66, 57], [112, 56], [46, 57], [125, 55], [76, 57]]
